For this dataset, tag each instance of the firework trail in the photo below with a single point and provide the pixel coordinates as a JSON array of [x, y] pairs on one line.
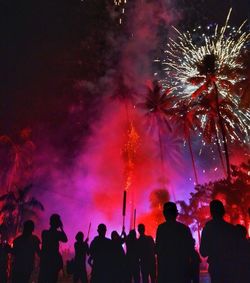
[[129, 152]]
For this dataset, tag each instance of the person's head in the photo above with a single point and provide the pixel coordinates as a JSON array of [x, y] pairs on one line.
[[241, 231], [28, 227], [217, 209], [55, 221], [79, 236], [170, 211], [141, 229], [115, 236], [102, 229]]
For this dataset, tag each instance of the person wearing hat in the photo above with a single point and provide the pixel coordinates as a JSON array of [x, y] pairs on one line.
[[174, 247]]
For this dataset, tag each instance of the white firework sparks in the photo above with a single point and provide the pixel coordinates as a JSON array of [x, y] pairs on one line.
[[210, 69], [184, 55], [120, 2]]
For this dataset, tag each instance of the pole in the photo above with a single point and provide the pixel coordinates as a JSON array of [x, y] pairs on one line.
[[124, 209], [89, 230], [134, 218]]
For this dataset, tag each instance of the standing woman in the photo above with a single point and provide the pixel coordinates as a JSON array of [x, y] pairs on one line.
[[81, 251]]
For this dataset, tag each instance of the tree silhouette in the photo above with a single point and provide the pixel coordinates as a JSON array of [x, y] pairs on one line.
[[156, 105], [16, 208], [235, 196], [196, 213]]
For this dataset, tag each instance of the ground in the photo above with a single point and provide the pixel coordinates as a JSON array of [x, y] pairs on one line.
[[204, 279]]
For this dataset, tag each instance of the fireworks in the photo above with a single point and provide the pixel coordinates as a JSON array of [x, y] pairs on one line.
[[187, 57], [211, 67], [129, 154], [120, 2]]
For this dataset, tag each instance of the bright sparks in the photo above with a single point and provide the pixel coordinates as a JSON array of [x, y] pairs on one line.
[[208, 66], [185, 56], [120, 2]]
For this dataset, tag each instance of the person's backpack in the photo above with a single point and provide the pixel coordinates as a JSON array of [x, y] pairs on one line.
[[70, 265]]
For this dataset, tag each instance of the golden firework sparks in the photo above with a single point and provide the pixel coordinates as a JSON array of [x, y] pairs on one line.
[[129, 154]]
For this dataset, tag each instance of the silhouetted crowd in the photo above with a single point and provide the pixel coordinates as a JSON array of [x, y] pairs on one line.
[[171, 258]]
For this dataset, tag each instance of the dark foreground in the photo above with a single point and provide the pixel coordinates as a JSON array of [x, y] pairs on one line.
[[204, 279]]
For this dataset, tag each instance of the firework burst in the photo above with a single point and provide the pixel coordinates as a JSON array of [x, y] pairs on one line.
[[199, 68], [207, 70], [188, 57]]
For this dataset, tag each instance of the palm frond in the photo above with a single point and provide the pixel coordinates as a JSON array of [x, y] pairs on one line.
[[10, 196], [34, 203]]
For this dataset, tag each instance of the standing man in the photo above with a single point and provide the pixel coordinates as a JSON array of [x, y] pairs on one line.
[[218, 243], [174, 246], [101, 257], [24, 249], [51, 260], [146, 246]]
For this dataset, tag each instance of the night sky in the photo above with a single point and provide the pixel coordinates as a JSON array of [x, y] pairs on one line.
[[39, 49]]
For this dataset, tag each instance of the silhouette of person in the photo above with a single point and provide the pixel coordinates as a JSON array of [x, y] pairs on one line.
[[132, 258], [174, 247], [51, 260], [100, 257], [118, 258], [218, 243], [243, 255], [146, 246], [81, 251], [5, 249], [24, 249], [195, 261]]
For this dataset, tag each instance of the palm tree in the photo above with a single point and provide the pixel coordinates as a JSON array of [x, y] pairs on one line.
[[208, 87], [157, 103], [19, 171], [19, 206], [15, 161]]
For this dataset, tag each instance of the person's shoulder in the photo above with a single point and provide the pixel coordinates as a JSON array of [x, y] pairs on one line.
[[36, 239], [108, 240], [182, 226], [150, 238], [96, 238], [209, 224], [17, 240], [45, 232], [229, 225], [162, 225]]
